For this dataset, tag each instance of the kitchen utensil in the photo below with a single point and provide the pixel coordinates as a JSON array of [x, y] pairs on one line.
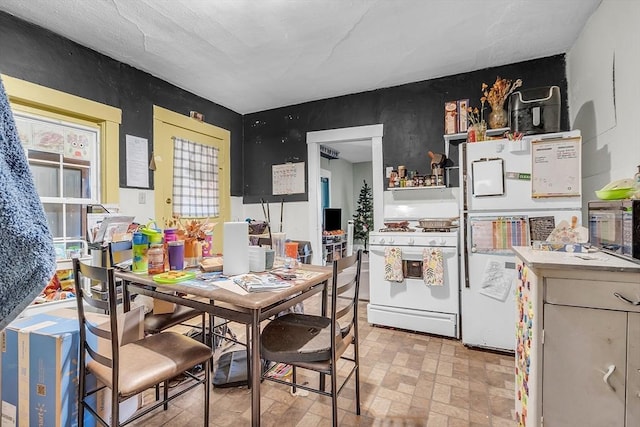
[[437, 159], [430, 223], [402, 224]]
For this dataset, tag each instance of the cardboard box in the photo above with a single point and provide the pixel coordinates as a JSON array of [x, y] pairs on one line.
[[40, 371], [463, 124], [560, 247], [163, 307], [450, 119]]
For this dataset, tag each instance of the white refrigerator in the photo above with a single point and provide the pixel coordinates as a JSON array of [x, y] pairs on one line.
[[513, 192]]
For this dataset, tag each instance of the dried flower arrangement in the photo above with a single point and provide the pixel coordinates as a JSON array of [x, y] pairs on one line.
[[475, 115], [499, 91], [190, 229]]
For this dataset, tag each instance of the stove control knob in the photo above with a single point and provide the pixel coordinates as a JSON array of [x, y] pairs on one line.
[[382, 240], [411, 241], [391, 240], [442, 242]]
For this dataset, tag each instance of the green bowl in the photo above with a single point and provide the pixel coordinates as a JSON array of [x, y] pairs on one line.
[[616, 194]]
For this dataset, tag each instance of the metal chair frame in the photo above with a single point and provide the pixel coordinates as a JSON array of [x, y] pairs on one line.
[[105, 276], [348, 335]]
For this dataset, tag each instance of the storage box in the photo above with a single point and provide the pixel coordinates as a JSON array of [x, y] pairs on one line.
[[39, 374], [463, 124], [163, 307], [40, 371], [560, 247], [450, 119], [535, 111]]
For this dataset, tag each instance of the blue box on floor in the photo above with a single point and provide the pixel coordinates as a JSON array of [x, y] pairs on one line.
[[40, 371]]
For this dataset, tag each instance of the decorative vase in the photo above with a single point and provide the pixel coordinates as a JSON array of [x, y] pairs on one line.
[[497, 117]]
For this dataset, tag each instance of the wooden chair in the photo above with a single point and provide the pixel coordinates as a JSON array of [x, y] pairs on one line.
[[306, 341], [130, 368]]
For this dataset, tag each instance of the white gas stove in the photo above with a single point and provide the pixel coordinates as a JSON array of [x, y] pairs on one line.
[[412, 303]]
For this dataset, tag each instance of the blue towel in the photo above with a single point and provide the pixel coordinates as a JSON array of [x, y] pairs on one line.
[[27, 255]]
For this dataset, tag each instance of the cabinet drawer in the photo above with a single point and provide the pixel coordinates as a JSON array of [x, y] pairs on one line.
[[590, 293]]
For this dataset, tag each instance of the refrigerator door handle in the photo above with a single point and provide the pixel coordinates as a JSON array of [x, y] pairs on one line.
[[465, 252]]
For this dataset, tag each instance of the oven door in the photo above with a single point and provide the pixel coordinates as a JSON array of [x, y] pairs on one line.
[[412, 292]]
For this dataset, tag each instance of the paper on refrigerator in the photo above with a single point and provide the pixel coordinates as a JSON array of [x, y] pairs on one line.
[[497, 280]]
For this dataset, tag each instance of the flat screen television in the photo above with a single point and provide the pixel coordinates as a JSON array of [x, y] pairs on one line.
[[332, 219]]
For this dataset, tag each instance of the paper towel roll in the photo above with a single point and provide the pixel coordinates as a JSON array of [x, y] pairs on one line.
[[350, 238], [235, 248]]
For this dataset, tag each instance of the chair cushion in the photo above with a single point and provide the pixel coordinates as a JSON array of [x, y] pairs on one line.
[[298, 338], [151, 360], [155, 323]]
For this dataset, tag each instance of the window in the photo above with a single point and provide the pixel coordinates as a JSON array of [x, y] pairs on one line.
[[63, 159]]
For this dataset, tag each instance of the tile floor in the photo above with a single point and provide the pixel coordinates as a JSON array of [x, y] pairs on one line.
[[407, 379]]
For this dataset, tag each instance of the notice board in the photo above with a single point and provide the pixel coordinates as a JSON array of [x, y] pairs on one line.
[[556, 167], [288, 178]]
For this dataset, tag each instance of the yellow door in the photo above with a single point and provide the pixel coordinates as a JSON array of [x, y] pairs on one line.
[[167, 124]]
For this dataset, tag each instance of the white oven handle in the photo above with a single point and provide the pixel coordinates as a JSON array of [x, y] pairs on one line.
[[414, 253]]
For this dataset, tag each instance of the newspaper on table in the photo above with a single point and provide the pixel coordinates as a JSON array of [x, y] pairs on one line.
[[262, 283]]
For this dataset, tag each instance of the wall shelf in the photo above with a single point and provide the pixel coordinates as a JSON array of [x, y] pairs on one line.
[[423, 187], [333, 248], [462, 137]]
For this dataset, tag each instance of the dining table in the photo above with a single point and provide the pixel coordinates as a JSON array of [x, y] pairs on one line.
[[224, 298]]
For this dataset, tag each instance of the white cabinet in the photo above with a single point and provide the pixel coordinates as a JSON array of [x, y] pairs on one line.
[[577, 340], [584, 368]]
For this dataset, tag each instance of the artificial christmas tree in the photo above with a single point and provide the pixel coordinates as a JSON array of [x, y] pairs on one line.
[[363, 218]]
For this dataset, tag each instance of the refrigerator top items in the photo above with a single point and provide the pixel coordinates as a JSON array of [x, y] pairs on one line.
[[536, 110]]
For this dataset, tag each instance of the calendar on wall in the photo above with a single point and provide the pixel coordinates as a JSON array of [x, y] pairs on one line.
[[288, 178]]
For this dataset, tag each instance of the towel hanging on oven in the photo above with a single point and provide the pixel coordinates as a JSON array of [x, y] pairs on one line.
[[433, 267], [393, 264]]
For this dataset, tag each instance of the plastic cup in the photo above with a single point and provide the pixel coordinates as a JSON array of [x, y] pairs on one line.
[[269, 256], [176, 255], [291, 249], [277, 244], [140, 246], [207, 245]]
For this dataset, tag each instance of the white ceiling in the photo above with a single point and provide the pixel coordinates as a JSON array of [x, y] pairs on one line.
[[253, 55]]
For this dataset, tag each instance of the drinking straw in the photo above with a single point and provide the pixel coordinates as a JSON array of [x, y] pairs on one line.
[[267, 215], [281, 213]]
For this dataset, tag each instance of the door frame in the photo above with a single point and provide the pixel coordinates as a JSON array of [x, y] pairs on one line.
[[179, 120], [373, 133]]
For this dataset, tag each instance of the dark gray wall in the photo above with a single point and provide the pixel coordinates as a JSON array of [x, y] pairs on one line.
[[412, 114], [31, 53]]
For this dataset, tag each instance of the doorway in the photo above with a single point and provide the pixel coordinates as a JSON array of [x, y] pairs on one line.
[[168, 124], [372, 134]]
